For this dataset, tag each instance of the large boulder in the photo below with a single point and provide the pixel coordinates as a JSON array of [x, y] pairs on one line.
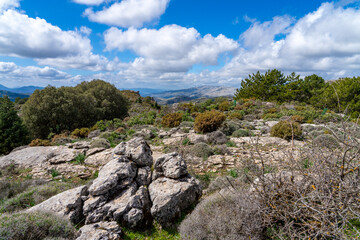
[[136, 150], [170, 197], [67, 204], [101, 230], [170, 165]]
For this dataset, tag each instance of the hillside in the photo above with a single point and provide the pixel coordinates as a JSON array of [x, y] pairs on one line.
[[12, 95], [168, 97]]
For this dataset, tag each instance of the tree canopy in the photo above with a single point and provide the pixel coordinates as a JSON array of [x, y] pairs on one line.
[[66, 108], [13, 132]]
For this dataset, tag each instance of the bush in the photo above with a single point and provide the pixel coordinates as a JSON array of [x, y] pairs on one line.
[[171, 120], [224, 106], [297, 118], [241, 133], [13, 132], [39, 142], [80, 133], [327, 141], [66, 108], [229, 216], [209, 121], [202, 150], [230, 126], [286, 130], [236, 115], [216, 138], [34, 226], [147, 118]]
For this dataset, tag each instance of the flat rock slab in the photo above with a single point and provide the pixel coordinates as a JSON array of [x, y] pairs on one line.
[[170, 197], [67, 204], [101, 230]]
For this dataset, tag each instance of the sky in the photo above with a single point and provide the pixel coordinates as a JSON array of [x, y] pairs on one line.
[[174, 44]]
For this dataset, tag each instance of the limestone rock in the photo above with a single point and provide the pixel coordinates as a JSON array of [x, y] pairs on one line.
[[143, 176], [99, 159], [101, 230], [169, 197], [111, 174], [67, 204], [171, 165], [136, 150]]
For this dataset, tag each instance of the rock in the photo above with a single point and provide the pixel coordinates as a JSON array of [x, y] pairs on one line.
[[67, 155], [100, 231], [145, 133], [99, 143], [99, 159], [143, 176], [67, 204], [170, 165], [169, 197], [62, 141], [163, 134], [111, 175], [32, 157], [197, 138], [94, 133], [93, 151], [136, 150], [216, 138], [272, 123], [79, 145]]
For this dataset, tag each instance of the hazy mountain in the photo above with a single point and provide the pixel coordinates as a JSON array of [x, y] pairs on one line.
[[168, 97], [28, 90], [12, 95]]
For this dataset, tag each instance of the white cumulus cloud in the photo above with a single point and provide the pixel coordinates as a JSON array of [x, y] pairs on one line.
[[90, 2], [7, 4], [129, 13], [170, 49]]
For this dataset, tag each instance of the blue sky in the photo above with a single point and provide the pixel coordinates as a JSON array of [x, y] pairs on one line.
[[173, 44]]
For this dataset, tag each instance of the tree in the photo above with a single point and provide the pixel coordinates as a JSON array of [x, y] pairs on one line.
[[268, 86], [13, 132], [57, 109]]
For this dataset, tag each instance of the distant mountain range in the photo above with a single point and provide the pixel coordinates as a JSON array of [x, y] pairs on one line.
[[21, 92], [173, 96]]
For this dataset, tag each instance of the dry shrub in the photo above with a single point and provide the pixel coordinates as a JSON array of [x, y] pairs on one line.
[[224, 106], [34, 226], [216, 138], [202, 150], [209, 121], [297, 118], [171, 120], [81, 133], [286, 130], [231, 216], [235, 115], [39, 142]]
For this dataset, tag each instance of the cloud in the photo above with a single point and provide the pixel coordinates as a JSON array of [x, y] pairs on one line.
[[90, 2], [170, 49], [129, 13], [7, 4], [326, 42], [23, 36]]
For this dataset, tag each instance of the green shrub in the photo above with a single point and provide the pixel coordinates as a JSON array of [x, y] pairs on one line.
[[57, 109], [202, 150], [209, 121], [39, 142], [241, 133], [272, 116], [286, 130], [35, 226], [80, 133], [224, 106], [99, 143], [236, 115], [327, 141], [146, 118], [231, 144], [171, 120], [80, 159], [230, 126]]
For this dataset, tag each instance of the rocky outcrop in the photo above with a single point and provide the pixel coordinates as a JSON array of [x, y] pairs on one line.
[[128, 192], [101, 230]]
